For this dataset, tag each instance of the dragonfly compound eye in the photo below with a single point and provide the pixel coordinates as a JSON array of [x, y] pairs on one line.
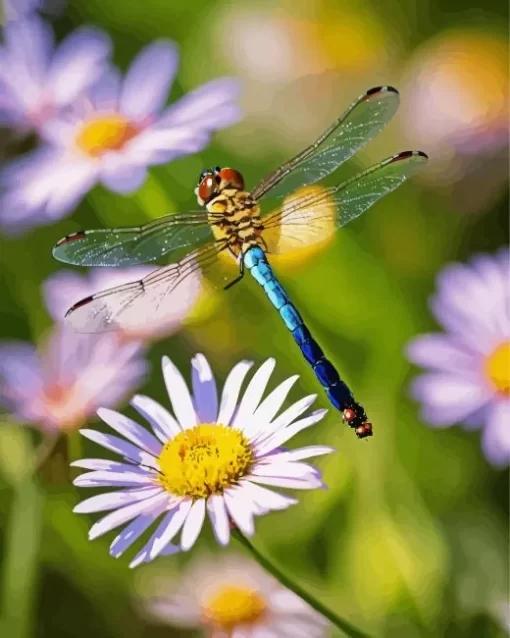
[[231, 178], [207, 188]]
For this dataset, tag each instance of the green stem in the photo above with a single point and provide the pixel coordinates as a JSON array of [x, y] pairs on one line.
[[345, 626], [20, 566]]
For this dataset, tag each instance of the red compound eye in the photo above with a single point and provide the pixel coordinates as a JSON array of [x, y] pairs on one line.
[[231, 177], [207, 188]]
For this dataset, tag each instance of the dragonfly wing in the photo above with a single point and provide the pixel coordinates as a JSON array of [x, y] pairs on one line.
[[359, 124], [316, 213], [151, 299], [135, 245]]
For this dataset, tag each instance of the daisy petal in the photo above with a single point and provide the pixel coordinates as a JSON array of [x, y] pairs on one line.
[[131, 430], [132, 532], [267, 498], [104, 93], [118, 445], [205, 395], [104, 464], [231, 391], [107, 479], [148, 80], [299, 454], [284, 434], [287, 470], [253, 394], [171, 524], [179, 395], [219, 518], [162, 422], [310, 483], [240, 510], [114, 500], [496, 436], [121, 176], [286, 417], [127, 513], [193, 525], [268, 409]]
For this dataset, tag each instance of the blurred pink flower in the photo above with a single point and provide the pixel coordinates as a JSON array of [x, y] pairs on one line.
[[232, 597], [64, 288], [61, 386], [39, 80], [457, 110], [469, 366], [112, 136]]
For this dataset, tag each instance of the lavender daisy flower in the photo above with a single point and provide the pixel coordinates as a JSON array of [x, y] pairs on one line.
[[39, 80], [65, 287], [61, 386], [469, 366], [213, 457], [113, 136], [232, 597]]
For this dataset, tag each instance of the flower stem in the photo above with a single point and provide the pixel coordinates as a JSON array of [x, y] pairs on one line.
[[343, 625]]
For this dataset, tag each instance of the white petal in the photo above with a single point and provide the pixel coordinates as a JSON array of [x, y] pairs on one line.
[[132, 532], [131, 430], [441, 352], [125, 514], [110, 479], [219, 518], [268, 409], [287, 470], [148, 80], [286, 417], [284, 434], [172, 523], [310, 483], [120, 175], [253, 395], [267, 498], [193, 525], [114, 500], [179, 395], [231, 391], [299, 454], [205, 395], [118, 445], [240, 509], [162, 422]]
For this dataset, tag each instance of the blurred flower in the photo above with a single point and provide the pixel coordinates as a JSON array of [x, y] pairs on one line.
[[64, 288], [469, 378], [233, 597], [59, 388], [37, 80], [211, 457], [16, 9], [457, 110], [113, 136]]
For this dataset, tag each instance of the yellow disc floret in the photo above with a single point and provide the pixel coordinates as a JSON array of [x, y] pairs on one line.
[[232, 605], [103, 134], [204, 460], [497, 368]]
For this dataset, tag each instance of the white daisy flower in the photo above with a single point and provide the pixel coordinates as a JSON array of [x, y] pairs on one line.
[[112, 136], [232, 597], [213, 457]]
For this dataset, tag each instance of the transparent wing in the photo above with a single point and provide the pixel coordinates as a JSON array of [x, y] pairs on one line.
[[135, 245], [151, 299], [360, 123], [314, 213]]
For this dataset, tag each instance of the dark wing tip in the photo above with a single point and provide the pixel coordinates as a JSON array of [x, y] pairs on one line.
[[72, 237], [79, 304], [406, 155], [381, 89]]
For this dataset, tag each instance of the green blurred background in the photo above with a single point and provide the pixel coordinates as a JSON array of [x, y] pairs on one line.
[[411, 538]]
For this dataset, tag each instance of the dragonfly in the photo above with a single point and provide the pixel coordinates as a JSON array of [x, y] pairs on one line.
[[236, 231]]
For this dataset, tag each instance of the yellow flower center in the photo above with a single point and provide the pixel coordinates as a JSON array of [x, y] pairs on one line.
[[103, 134], [497, 368], [204, 460], [232, 605]]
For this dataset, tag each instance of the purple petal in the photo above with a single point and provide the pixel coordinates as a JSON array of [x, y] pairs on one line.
[[105, 92], [113, 479], [440, 352], [104, 465], [130, 430], [231, 391], [193, 525], [20, 366], [120, 176], [127, 513], [148, 80], [207, 108], [205, 395], [180, 397], [169, 527], [162, 422], [219, 518], [77, 63], [267, 498], [496, 435], [132, 532], [118, 445], [114, 500]]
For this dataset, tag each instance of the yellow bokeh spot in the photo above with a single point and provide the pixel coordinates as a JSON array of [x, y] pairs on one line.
[[204, 460], [233, 605], [497, 368], [103, 134]]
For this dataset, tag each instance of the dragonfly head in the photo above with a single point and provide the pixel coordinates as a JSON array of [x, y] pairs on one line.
[[212, 181]]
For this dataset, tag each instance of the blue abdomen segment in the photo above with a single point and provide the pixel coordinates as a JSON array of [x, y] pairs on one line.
[[338, 392]]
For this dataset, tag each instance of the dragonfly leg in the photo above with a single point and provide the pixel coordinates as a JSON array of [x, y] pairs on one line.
[[241, 275]]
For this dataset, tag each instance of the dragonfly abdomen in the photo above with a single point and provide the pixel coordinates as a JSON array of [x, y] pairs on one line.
[[338, 392]]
